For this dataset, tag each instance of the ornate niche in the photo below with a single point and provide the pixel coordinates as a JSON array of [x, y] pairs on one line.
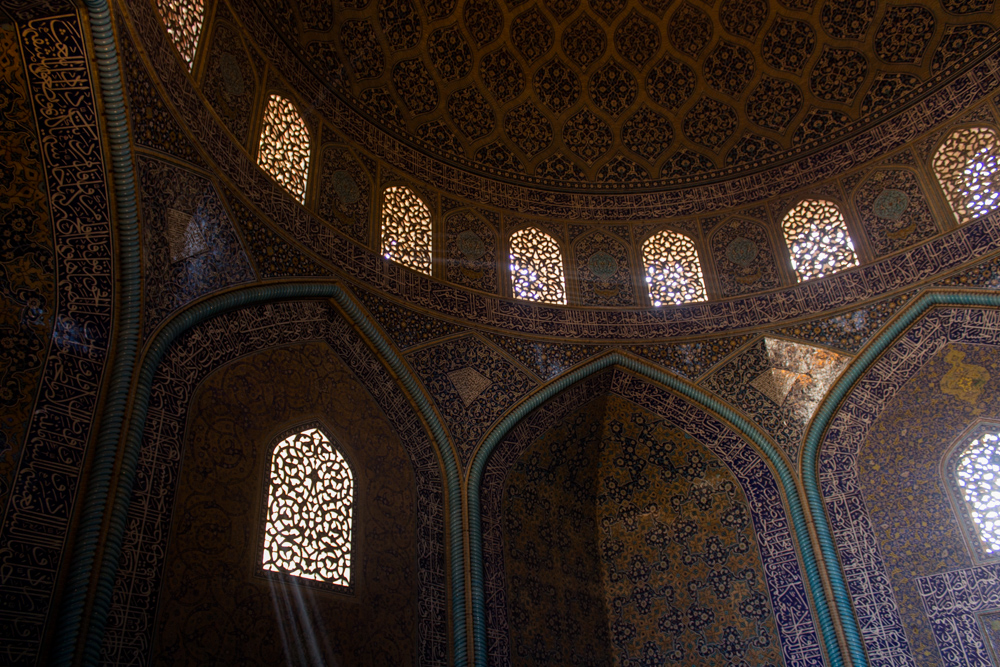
[[893, 209], [744, 258], [345, 192], [603, 271], [471, 251]]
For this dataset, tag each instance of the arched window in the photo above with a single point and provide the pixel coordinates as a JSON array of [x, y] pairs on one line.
[[968, 167], [284, 146], [536, 266], [406, 229], [673, 272], [817, 239], [309, 527], [183, 20], [973, 477]]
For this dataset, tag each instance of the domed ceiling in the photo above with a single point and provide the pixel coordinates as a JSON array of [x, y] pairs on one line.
[[612, 91]]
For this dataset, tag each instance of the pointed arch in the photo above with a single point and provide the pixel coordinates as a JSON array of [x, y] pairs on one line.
[[536, 267], [406, 228], [284, 150], [687, 393], [673, 270], [309, 508], [818, 241], [967, 166], [183, 20]]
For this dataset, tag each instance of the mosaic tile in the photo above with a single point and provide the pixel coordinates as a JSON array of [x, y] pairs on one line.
[[851, 330], [796, 634], [691, 359], [189, 246], [46, 480], [545, 360], [405, 327], [469, 422], [274, 256], [153, 126], [670, 528], [778, 383]]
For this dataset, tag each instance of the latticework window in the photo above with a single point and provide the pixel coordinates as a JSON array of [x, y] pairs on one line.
[[536, 266], [406, 229], [673, 272], [977, 478], [183, 19], [284, 146], [817, 239], [310, 505], [968, 168]]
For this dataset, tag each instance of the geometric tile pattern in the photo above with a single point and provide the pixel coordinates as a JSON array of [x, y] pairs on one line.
[[489, 383], [599, 79], [779, 384]]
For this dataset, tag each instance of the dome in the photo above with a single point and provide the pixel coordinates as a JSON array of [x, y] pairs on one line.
[[599, 96]]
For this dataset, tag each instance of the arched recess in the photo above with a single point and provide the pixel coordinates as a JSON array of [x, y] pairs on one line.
[[830, 461], [795, 639], [332, 611], [175, 362], [687, 394], [603, 270]]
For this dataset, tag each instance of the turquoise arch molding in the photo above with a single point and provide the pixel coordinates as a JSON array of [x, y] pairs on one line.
[[130, 450], [701, 399], [827, 410]]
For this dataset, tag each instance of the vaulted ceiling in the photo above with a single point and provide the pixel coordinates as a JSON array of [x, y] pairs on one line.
[[621, 91]]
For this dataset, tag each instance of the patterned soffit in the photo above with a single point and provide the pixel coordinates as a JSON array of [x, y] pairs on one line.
[[620, 91]]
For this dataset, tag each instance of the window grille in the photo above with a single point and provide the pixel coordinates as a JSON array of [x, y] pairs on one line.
[[536, 266], [968, 167], [284, 146], [973, 472], [183, 20], [406, 229], [310, 509], [817, 239], [673, 271]]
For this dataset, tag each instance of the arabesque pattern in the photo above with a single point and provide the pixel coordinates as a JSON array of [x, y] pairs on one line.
[[284, 146], [536, 266], [406, 228], [183, 20], [817, 239], [673, 271], [967, 167]]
